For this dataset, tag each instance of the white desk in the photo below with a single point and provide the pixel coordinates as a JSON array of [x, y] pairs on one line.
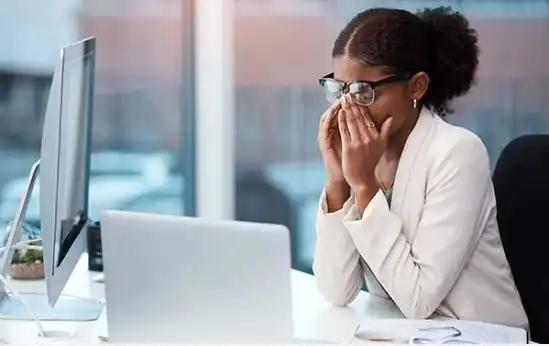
[[313, 317]]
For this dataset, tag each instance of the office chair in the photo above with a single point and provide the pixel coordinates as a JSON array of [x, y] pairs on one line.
[[521, 182]]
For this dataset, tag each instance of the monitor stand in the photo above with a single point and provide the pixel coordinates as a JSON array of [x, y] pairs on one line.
[[36, 307], [16, 228], [67, 308]]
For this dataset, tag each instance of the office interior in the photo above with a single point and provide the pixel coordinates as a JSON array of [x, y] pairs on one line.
[[225, 125], [211, 108]]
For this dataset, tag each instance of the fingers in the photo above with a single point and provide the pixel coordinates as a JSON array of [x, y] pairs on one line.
[[346, 102], [369, 122], [327, 122], [343, 128], [353, 125], [335, 107], [328, 118], [365, 125], [386, 129], [356, 122], [359, 124], [365, 119]]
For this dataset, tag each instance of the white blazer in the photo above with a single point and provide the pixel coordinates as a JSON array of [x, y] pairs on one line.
[[437, 248]]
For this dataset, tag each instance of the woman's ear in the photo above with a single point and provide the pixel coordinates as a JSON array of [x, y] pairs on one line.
[[419, 83]]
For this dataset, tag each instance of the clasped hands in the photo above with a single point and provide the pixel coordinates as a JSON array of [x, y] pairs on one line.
[[351, 145]]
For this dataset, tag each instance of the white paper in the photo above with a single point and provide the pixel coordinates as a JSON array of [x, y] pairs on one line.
[[436, 332]]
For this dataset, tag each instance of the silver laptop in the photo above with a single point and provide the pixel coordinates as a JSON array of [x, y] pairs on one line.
[[175, 279]]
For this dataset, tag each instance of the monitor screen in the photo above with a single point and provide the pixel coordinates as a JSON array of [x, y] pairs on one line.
[[74, 147]]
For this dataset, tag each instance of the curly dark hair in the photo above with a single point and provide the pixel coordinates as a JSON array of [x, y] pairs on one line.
[[437, 41]]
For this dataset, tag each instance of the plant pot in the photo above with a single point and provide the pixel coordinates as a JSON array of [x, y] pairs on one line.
[[26, 271]]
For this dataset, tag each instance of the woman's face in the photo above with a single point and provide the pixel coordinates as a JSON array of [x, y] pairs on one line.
[[391, 100]]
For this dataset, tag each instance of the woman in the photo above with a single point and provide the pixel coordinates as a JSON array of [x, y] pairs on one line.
[[409, 204]]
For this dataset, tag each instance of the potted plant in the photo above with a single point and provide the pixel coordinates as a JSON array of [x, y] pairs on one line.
[[27, 264], [28, 261]]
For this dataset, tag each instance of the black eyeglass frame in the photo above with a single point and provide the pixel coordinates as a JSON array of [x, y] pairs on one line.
[[345, 86]]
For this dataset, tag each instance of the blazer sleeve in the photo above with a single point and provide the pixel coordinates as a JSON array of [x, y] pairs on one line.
[[336, 265], [418, 275], [339, 270]]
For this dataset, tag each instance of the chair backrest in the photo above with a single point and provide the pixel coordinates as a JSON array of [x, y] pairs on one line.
[[521, 182]]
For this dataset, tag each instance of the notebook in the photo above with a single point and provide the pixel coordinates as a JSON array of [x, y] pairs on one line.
[[446, 331]]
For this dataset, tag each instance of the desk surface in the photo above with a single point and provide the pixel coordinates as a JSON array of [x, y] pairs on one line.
[[314, 318]]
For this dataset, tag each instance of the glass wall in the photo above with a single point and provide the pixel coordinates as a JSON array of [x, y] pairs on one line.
[[143, 144], [283, 46]]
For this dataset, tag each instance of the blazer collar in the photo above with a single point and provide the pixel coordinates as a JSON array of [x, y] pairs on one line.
[[409, 157]]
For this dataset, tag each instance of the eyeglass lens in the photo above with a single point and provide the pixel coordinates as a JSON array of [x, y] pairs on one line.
[[362, 92]]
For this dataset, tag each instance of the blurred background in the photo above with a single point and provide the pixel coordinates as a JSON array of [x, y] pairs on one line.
[[143, 138]]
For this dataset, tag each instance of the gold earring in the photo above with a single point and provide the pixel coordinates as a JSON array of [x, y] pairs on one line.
[[415, 103]]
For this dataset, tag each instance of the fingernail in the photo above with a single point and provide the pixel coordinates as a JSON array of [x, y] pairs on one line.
[[349, 98]]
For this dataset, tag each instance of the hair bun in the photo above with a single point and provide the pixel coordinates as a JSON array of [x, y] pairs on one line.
[[454, 52]]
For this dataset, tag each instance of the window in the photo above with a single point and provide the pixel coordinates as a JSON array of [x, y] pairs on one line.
[[143, 125]]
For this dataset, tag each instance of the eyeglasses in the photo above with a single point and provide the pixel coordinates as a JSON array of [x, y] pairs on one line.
[[449, 335], [362, 91]]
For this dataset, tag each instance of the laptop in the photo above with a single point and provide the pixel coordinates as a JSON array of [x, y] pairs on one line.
[[171, 279]]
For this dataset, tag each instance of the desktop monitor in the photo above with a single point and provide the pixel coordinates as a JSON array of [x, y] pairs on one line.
[[63, 169], [65, 165]]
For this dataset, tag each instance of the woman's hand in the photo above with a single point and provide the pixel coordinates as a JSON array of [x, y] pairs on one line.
[[329, 141], [362, 145]]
